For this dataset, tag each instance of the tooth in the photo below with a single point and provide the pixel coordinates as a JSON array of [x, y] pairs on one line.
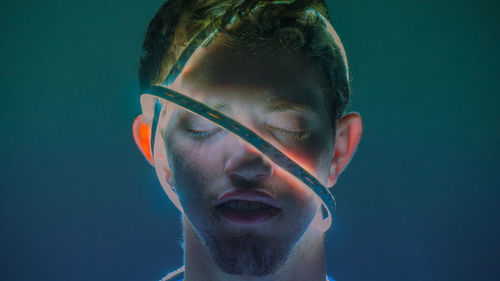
[[243, 205]]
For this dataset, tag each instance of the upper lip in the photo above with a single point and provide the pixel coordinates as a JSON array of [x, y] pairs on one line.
[[247, 195]]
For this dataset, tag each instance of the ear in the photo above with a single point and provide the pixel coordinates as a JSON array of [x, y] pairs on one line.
[[142, 137], [348, 134]]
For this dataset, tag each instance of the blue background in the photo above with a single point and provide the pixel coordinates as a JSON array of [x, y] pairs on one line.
[[419, 201]]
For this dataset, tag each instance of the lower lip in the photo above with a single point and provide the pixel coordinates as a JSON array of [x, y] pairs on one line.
[[249, 217]]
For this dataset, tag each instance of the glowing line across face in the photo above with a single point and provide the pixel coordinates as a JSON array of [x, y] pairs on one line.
[[241, 131]]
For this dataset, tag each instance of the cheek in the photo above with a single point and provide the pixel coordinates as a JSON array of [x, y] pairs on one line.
[[194, 175], [186, 155], [315, 157], [302, 202]]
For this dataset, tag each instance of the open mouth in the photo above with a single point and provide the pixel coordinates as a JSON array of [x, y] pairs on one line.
[[247, 212]]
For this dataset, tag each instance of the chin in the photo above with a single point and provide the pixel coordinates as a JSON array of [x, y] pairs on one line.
[[248, 253]]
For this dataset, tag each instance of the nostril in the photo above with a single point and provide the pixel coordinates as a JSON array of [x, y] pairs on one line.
[[247, 182], [252, 171], [261, 176], [247, 166]]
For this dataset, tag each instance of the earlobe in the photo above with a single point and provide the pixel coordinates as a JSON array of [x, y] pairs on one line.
[[168, 178], [142, 137], [348, 135]]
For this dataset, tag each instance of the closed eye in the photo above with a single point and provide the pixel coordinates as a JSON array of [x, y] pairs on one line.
[[197, 127], [296, 135], [203, 134]]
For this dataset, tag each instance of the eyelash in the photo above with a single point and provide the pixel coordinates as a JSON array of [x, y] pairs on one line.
[[298, 136], [203, 134]]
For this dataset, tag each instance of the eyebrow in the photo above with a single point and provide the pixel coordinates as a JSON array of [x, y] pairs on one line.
[[219, 107], [280, 105], [272, 105]]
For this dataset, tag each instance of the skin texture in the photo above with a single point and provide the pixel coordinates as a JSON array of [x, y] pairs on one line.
[[280, 97]]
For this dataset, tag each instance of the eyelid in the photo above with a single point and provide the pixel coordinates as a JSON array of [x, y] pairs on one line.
[[190, 122], [284, 129], [301, 135], [294, 123], [187, 123], [204, 134]]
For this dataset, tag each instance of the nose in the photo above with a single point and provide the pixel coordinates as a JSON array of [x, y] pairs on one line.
[[246, 165]]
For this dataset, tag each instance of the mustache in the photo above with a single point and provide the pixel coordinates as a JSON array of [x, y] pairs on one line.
[[245, 183], [239, 182]]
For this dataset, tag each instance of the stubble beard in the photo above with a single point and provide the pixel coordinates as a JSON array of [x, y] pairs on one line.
[[247, 254]]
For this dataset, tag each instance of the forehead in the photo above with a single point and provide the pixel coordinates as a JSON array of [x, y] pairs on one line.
[[253, 76]]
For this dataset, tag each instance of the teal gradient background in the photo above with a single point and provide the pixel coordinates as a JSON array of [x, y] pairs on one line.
[[419, 201]]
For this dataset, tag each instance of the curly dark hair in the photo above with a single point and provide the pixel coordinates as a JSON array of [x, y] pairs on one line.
[[285, 25]]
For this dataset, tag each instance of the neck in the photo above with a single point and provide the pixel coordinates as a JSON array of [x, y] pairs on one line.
[[306, 261]]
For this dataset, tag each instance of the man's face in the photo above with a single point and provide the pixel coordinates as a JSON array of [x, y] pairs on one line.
[[280, 97]]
